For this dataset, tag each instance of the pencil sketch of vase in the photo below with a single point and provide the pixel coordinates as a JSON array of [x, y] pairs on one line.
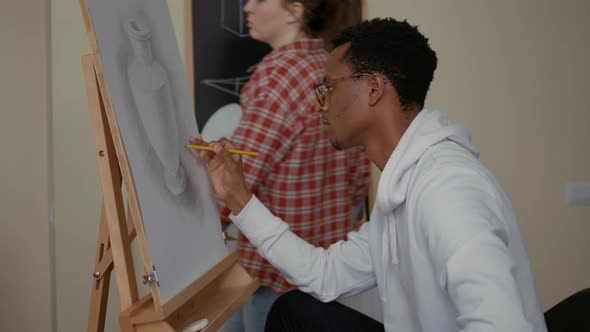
[[153, 99]]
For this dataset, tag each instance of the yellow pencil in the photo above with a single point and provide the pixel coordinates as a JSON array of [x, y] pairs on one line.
[[208, 148]]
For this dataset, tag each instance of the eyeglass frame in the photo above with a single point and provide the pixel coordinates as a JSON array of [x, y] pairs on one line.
[[321, 94]]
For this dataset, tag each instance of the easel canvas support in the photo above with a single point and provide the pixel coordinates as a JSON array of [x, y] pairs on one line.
[[214, 296]]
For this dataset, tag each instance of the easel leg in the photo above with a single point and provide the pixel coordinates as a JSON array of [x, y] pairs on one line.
[[102, 274], [113, 212], [100, 285]]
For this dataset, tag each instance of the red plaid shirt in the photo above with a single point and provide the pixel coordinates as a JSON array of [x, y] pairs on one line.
[[298, 175]]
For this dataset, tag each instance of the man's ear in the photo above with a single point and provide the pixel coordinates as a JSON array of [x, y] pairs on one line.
[[296, 9], [376, 88]]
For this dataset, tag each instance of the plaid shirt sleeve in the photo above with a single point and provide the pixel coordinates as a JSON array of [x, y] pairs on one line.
[[266, 127]]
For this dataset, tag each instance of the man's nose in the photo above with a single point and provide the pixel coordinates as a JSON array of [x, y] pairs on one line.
[[324, 107]]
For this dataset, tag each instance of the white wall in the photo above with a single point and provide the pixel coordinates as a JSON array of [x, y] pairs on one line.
[[516, 73], [25, 269]]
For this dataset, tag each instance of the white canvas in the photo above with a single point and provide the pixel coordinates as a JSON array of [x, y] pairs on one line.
[[147, 84]]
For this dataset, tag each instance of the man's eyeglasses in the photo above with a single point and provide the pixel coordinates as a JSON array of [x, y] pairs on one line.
[[326, 87]]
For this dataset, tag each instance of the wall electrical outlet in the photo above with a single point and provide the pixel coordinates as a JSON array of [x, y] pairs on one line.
[[577, 193]]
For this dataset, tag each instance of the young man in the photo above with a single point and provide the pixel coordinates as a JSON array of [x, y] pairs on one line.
[[443, 245]]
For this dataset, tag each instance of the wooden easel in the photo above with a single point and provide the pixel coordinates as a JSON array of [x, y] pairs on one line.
[[214, 296]]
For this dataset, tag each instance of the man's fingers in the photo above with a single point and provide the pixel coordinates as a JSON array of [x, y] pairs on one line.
[[215, 162], [228, 145], [197, 140], [223, 155], [218, 157], [206, 154], [234, 157]]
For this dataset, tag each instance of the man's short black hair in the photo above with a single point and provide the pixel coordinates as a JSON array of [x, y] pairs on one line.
[[394, 49]]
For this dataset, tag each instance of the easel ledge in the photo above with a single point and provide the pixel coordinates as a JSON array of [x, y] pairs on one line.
[[214, 296]]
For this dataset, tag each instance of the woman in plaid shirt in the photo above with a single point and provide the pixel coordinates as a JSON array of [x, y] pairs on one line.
[[298, 174]]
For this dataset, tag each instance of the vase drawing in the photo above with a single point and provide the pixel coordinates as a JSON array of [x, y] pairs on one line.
[[153, 98]]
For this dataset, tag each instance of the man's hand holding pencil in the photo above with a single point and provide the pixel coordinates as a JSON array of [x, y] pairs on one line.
[[225, 170]]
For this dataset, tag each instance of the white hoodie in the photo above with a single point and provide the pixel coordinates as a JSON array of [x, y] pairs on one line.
[[443, 245]]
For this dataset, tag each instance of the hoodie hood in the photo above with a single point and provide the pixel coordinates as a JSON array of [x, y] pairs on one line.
[[427, 129]]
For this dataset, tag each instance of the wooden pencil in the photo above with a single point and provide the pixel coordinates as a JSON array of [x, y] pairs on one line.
[[208, 148]]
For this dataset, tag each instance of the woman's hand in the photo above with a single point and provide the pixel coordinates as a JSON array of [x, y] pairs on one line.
[[226, 173]]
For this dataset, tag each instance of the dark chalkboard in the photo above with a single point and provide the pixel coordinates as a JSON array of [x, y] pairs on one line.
[[222, 54]]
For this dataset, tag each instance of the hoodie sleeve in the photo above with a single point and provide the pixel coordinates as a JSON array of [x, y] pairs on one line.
[[344, 269], [459, 223]]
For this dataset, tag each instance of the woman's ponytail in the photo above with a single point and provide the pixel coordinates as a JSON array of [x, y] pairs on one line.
[[325, 18]]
